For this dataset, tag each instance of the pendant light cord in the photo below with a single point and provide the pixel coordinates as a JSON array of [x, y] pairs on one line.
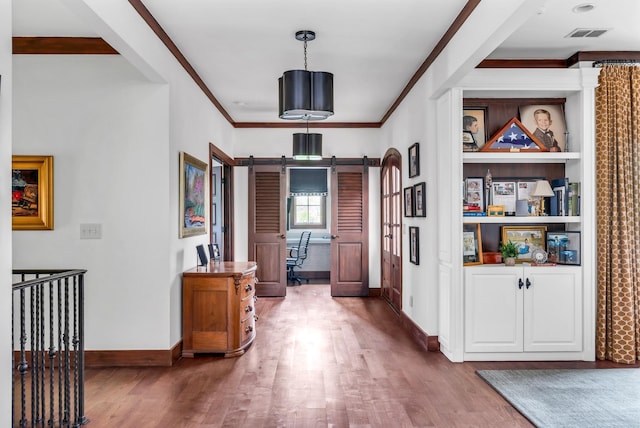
[[305, 53]]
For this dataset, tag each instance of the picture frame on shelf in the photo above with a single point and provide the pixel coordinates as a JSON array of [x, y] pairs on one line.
[[503, 192], [473, 128], [526, 238], [420, 199], [495, 211], [202, 256], [513, 137], [408, 201], [474, 192], [539, 119], [414, 245], [563, 247], [214, 252], [32, 192], [526, 204], [471, 244], [193, 184], [414, 160]]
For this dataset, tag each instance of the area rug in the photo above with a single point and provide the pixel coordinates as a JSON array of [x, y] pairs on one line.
[[571, 398]]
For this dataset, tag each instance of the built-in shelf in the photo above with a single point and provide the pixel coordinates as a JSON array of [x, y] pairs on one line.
[[522, 219], [519, 157]]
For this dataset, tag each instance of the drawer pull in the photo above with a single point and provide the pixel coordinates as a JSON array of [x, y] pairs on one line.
[[249, 329], [248, 287], [248, 309], [255, 298], [255, 317]]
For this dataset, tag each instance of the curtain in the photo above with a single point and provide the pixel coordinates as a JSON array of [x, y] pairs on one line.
[[618, 213]]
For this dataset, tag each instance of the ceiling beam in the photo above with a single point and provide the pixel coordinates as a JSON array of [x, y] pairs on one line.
[[62, 46]]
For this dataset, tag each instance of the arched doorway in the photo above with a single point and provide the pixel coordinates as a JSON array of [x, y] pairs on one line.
[[391, 219]]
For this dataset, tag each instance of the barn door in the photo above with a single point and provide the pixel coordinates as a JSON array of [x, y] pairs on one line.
[[349, 231], [267, 228]]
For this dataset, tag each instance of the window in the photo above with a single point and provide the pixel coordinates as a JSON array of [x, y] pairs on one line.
[[307, 205], [308, 212]]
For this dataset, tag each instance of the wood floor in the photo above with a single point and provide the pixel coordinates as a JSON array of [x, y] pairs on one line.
[[317, 361]]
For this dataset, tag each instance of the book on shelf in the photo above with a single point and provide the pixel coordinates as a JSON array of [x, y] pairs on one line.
[[474, 213], [574, 199], [559, 204]]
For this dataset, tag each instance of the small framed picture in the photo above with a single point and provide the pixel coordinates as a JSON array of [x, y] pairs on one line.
[[471, 244], [214, 252], [474, 193], [408, 202], [414, 160], [495, 211], [202, 256], [504, 193], [473, 129], [526, 238], [420, 199], [563, 247], [414, 245]]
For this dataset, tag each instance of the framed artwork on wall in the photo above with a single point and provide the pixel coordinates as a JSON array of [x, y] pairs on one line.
[[420, 199], [193, 179], [414, 245], [414, 160], [408, 202], [32, 192]]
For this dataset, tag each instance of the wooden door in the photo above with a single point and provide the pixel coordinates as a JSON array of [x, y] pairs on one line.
[[349, 231], [267, 233], [391, 219]]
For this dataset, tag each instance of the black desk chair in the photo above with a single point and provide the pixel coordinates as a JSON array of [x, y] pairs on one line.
[[297, 256]]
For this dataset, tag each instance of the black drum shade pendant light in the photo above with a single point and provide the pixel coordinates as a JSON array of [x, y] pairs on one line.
[[307, 146], [303, 94]]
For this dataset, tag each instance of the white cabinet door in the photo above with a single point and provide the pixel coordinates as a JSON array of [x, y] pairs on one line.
[[552, 309], [493, 309], [523, 309]]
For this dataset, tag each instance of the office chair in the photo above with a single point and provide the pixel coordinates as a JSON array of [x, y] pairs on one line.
[[297, 257]]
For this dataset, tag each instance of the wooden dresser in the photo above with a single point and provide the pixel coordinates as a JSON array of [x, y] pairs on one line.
[[218, 309]]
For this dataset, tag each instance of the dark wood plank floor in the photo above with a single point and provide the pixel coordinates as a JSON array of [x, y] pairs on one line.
[[316, 362]]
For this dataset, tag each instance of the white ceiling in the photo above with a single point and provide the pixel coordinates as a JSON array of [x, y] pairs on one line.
[[373, 47]]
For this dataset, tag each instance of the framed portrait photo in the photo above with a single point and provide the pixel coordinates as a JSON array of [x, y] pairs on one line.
[[193, 184], [420, 199], [547, 124], [32, 192], [408, 202], [474, 192], [473, 128], [414, 245], [414, 160]]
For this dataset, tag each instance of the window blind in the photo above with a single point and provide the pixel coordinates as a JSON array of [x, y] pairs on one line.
[[307, 181]]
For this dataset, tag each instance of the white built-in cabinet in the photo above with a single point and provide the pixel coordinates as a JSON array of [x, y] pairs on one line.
[[518, 309], [485, 312]]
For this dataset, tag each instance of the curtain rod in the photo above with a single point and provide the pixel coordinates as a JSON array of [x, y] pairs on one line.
[[602, 62]]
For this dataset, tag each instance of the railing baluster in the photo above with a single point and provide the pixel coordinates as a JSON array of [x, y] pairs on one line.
[[56, 303]]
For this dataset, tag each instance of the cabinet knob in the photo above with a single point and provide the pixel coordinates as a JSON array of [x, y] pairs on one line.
[[282, 235], [520, 283], [255, 298], [255, 317], [248, 309], [335, 236], [528, 283], [248, 287], [389, 236], [249, 329]]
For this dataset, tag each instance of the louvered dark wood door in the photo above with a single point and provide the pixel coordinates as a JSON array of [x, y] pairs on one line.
[[267, 226], [349, 231]]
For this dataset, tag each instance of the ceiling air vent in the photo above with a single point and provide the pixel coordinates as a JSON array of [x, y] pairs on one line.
[[586, 32]]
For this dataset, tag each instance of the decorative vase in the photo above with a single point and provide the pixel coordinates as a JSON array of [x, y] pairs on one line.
[[510, 261]]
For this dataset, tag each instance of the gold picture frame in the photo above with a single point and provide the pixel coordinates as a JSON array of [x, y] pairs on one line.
[[471, 244], [526, 238], [193, 192], [32, 192]]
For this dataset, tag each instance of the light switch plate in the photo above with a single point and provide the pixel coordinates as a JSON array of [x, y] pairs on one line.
[[90, 231]]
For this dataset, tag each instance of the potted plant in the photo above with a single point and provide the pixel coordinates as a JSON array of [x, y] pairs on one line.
[[509, 253]]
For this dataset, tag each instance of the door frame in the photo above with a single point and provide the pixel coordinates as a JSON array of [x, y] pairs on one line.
[[227, 163], [391, 155]]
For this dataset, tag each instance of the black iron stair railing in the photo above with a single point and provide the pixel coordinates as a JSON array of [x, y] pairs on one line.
[[48, 363]]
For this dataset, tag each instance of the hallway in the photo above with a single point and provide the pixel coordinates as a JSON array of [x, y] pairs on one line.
[[317, 361]]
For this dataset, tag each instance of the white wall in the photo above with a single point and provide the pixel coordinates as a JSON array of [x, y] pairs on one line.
[[107, 128], [6, 73]]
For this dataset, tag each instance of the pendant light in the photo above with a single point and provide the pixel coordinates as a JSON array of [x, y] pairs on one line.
[[303, 94], [307, 146]]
